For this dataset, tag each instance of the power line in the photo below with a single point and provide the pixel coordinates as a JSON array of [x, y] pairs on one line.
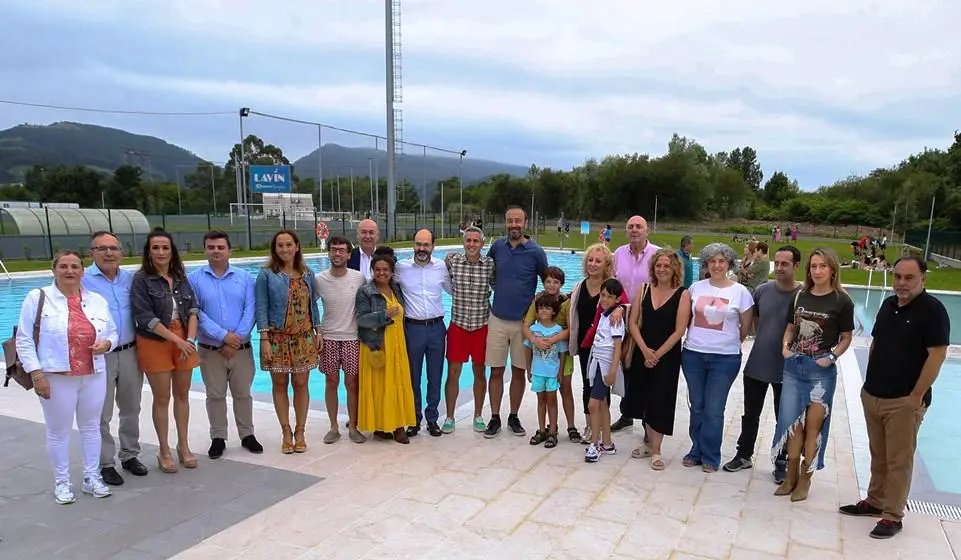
[[340, 129], [117, 111]]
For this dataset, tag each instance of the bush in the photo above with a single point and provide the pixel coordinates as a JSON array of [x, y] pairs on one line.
[[748, 230]]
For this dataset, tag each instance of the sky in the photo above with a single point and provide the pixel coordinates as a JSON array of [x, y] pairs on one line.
[[821, 89]]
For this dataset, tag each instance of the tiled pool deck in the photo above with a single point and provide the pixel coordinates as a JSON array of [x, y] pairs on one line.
[[461, 496]]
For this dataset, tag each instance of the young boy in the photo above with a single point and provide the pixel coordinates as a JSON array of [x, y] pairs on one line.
[[553, 281], [545, 369], [604, 372]]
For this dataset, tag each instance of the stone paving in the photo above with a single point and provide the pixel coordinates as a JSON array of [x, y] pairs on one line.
[[459, 496]]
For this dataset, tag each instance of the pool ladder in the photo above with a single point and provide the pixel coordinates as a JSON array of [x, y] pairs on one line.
[[884, 288]]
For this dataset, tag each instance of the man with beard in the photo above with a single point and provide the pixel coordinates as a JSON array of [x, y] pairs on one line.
[[471, 276], [632, 268], [337, 287], [368, 235], [423, 278], [765, 365], [124, 376], [518, 263], [225, 296]]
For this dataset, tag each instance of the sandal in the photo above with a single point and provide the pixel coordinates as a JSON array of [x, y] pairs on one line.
[[539, 437], [657, 464], [574, 435], [287, 446], [642, 452], [690, 462], [300, 444], [551, 440]]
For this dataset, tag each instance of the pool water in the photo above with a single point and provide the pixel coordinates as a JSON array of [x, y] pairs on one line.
[[12, 295], [867, 302], [939, 440]]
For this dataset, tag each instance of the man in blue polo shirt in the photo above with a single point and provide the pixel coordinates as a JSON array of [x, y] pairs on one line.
[[518, 263]]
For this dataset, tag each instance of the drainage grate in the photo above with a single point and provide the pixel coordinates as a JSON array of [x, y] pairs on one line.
[[938, 510]]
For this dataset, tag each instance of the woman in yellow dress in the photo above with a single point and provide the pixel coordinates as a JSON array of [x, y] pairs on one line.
[[386, 403]]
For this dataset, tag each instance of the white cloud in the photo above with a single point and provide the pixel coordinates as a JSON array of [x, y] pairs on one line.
[[855, 56]]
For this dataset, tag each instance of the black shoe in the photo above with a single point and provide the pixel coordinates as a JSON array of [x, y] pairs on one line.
[[780, 471], [434, 430], [134, 467], [383, 435], [622, 422], [413, 431], [110, 476], [217, 446], [885, 529], [514, 425], [738, 464], [251, 444], [493, 427], [861, 509]]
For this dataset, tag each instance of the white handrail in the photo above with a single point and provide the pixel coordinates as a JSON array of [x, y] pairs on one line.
[[5, 271]]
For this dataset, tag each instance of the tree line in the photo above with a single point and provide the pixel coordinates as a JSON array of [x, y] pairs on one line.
[[686, 183]]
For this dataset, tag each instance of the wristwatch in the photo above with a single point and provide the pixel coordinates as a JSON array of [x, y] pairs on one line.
[[832, 356]]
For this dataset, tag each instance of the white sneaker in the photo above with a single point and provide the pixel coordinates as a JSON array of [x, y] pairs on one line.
[[94, 486], [63, 493], [591, 454]]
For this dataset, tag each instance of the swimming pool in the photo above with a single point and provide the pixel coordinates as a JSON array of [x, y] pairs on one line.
[[12, 294], [867, 302]]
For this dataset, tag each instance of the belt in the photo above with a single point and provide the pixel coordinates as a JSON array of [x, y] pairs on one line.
[[126, 346], [425, 322], [244, 346]]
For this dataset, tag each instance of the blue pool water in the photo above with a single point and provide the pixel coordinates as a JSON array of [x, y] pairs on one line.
[[867, 302], [12, 294]]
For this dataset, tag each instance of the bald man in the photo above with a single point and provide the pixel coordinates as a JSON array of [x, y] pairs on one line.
[[632, 268], [423, 278], [368, 235]]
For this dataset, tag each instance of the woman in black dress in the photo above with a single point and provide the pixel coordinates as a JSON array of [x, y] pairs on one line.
[[660, 312]]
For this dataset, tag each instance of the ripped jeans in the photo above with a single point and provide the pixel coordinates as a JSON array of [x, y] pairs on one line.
[[805, 382]]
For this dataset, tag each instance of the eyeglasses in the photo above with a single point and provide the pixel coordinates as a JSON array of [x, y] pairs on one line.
[[107, 249]]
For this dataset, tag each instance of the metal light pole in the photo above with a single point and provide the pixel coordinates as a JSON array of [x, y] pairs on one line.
[[423, 186], [370, 183], [351, 192], [442, 210], [655, 215], [460, 180], [391, 132], [320, 171], [243, 177], [213, 188], [377, 176], [927, 243]]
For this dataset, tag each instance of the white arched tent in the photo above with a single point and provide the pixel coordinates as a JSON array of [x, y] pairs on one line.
[[73, 221]]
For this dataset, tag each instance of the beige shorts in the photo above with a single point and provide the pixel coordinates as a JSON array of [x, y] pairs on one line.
[[505, 337]]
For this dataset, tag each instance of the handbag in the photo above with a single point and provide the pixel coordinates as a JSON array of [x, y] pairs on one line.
[[15, 369], [629, 346]]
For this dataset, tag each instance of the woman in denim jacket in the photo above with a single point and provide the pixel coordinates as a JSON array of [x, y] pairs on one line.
[[386, 400], [165, 315], [289, 324]]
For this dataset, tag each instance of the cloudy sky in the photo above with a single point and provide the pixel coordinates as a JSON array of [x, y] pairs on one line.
[[820, 88]]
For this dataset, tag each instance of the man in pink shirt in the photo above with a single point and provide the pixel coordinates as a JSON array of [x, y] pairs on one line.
[[632, 268]]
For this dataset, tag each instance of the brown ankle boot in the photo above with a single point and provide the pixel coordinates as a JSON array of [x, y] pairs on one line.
[[803, 485], [791, 480]]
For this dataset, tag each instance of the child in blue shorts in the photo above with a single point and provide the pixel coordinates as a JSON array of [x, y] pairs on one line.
[[545, 370]]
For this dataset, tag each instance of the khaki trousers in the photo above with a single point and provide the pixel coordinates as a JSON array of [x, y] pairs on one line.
[[218, 374], [893, 439]]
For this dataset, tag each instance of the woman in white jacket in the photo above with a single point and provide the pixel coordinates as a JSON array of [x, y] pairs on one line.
[[68, 369]]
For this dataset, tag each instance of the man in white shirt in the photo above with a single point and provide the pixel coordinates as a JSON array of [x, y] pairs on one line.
[[368, 235], [423, 278], [337, 287]]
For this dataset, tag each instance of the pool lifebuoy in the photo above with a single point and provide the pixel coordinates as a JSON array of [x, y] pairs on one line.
[[322, 231]]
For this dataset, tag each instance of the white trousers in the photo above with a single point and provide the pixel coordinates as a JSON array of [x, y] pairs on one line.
[[79, 397]]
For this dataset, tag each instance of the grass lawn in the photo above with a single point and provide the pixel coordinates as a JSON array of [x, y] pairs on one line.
[[938, 279]]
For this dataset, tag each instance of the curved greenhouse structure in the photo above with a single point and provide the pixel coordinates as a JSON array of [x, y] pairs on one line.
[[71, 221]]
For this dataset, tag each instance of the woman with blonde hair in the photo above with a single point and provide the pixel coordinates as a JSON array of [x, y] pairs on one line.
[[660, 312], [819, 330], [583, 313], [63, 333]]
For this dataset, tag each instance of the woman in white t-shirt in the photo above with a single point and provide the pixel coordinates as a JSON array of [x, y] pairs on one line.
[[720, 320]]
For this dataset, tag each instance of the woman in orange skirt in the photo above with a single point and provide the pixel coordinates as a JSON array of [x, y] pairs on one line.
[[165, 314], [289, 324]]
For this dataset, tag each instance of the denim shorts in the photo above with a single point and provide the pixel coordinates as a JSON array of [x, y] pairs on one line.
[[805, 382]]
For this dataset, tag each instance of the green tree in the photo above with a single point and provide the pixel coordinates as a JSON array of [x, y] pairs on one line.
[[779, 188]]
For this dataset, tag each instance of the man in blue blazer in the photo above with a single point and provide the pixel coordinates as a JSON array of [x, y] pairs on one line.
[[368, 236]]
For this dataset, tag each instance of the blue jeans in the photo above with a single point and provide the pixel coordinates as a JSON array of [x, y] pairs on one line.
[[805, 382], [426, 341], [709, 378]]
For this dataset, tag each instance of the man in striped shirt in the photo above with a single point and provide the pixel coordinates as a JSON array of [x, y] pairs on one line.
[[471, 276]]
